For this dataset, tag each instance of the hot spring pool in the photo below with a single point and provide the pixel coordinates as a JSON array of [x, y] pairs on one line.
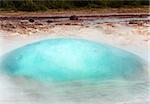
[[72, 71], [72, 59]]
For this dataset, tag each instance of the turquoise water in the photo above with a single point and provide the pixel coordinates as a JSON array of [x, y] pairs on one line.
[[73, 59]]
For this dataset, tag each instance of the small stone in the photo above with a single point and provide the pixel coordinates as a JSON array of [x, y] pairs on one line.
[[73, 17], [31, 20], [49, 21]]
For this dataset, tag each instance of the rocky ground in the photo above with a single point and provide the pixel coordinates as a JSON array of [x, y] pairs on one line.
[[28, 25]]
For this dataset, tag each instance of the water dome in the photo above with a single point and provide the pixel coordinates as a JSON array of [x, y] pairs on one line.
[[72, 59]]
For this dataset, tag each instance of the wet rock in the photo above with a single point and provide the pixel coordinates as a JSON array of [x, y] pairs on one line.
[[73, 17]]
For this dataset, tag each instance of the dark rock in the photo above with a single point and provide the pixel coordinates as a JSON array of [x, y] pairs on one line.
[[67, 23], [31, 20], [132, 22], [49, 21], [73, 17], [136, 22]]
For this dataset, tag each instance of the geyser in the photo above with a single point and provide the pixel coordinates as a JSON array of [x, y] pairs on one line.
[[72, 59]]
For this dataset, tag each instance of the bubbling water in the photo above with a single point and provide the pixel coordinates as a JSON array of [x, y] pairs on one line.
[[72, 59]]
